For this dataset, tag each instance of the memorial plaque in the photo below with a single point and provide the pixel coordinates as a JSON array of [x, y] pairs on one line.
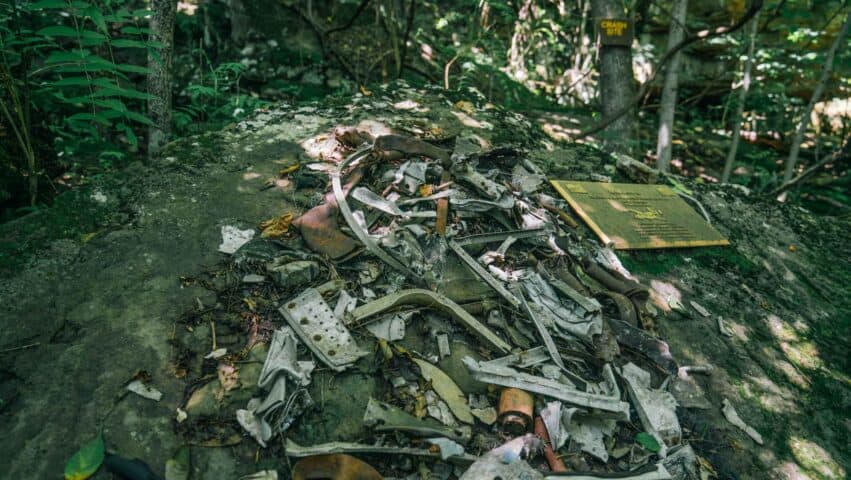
[[615, 31], [630, 216]]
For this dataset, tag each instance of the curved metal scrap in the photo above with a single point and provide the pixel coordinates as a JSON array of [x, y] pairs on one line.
[[427, 298], [359, 231]]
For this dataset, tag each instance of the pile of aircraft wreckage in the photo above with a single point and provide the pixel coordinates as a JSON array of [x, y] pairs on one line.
[[480, 245]]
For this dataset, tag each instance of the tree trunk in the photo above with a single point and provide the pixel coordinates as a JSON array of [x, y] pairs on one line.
[[743, 94], [159, 78], [792, 161], [616, 81], [239, 22], [669, 91]]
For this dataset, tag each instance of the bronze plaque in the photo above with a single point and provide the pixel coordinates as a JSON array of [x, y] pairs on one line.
[[615, 31], [630, 216]]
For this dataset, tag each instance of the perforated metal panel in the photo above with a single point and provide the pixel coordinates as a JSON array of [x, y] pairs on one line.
[[316, 325]]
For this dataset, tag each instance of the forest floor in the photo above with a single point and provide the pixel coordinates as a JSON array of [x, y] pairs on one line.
[[95, 288]]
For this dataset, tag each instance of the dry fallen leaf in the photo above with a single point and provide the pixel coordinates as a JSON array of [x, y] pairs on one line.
[[288, 170], [250, 303], [446, 389], [228, 379], [465, 106], [276, 227]]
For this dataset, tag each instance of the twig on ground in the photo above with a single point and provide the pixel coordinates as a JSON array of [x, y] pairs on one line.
[[22, 347]]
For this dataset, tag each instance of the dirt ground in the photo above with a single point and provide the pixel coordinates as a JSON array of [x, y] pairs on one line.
[[100, 298]]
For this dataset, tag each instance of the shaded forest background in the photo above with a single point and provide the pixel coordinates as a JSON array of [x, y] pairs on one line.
[[79, 96]]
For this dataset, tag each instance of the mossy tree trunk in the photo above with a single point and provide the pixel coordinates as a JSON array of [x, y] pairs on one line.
[[159, 78], [617, 83]]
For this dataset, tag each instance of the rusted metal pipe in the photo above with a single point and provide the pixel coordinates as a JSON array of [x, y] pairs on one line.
[[553, 460], [443, 206]]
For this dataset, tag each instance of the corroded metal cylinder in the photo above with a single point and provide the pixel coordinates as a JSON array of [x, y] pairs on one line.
[[516, 409]]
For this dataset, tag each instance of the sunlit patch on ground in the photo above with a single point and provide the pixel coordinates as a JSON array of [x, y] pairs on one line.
[[471, 122], [740, 331], [665, 295], [406, 105], [770, 396], [815, 459], [802, 353]]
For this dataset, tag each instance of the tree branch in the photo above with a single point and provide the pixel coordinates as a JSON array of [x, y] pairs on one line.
[[323, 44], [838, 155], [645, 87], [351, 21], [408, 28]]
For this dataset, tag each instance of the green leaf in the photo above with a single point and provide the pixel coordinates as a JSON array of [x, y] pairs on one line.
[[122, 92], [679, 187], [122, 43], [648, 441], [65, 31], [89, 117], [97, 18], [86, 461], [126, 67], [132, 140], [57, 31], [48, 4], [112, 104], [137, 117], [72, 81], [64, 57]]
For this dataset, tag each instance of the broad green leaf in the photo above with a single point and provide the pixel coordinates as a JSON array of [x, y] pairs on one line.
[[92, 35], [72, 81], [46, 4], [648, 441], [84, 67], [86, 461], [126, 67], [89, 117], [58, 31], [97, 18], [137, 117], [64, 57], [122, 92], [104, 82], [132, 140], [65, 31], [111, 114], [92, 42], [123, 43], [112, 103]]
